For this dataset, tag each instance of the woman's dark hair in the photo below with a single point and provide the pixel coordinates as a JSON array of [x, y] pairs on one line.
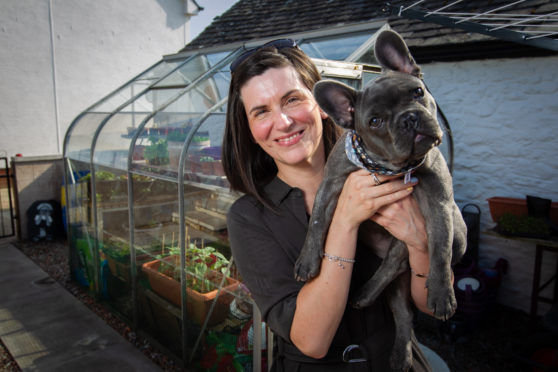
[[247, 167]]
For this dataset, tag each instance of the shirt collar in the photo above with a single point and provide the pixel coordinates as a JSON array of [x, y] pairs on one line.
[[277, 190]]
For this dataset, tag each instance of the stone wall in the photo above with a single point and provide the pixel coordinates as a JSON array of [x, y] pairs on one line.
[[503, 115]]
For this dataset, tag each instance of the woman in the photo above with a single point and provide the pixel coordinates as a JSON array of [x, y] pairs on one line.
[[275, 147]]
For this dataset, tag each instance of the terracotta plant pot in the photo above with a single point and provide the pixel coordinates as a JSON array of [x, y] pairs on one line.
[[218, 168], [119, 269], [207, 167], [518, 207], [198, 304]]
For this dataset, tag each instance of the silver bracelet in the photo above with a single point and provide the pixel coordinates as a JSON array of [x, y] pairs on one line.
[[418, 275], [339, 260]]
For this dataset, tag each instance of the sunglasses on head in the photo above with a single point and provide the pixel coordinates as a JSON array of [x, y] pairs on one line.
[[278, 44]]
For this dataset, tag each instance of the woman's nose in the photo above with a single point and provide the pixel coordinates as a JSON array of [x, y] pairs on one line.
[[283, 120]]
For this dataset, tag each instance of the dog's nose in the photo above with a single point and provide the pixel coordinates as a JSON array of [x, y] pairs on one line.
[[411, 120]]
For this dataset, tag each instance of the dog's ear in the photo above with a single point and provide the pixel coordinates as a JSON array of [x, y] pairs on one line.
[[392, 53], [337, 100]]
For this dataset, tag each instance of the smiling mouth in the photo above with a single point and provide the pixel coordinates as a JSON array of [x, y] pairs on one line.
[[290, 138]]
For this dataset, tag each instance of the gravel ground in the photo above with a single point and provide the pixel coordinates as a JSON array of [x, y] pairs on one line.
[[504, 340]]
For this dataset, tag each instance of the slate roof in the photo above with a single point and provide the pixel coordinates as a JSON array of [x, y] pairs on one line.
[[259, 19]]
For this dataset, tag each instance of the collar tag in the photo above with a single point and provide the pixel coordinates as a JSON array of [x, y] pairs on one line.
[[407, 178]]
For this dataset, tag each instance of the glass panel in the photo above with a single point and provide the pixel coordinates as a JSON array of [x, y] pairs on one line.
[[186, 74], [156, 234], [338, 48], [81, 135], [207, 199], [160, 142], [214, 58], [368, 57], [122, 95], [80, 223], [113, 143], [203, 160], [113, 234]]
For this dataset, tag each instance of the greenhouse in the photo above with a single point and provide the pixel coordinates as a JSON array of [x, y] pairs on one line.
[[147, 199]]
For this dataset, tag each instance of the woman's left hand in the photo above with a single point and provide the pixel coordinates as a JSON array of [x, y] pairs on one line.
[[403, 219]]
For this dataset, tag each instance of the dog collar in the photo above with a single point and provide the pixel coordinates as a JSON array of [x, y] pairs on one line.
[[356, 154]]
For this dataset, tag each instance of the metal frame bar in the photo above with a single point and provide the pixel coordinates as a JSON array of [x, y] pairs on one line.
[[501, 31]]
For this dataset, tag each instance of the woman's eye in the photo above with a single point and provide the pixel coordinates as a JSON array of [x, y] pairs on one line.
[[376, 122], [259, 113], [292, 100], [418, 93]]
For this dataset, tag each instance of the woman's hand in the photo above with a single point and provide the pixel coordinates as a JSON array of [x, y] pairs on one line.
[[403, 219], [362, 198]]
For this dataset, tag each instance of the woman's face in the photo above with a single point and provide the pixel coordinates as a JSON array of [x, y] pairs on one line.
[[284, 118]]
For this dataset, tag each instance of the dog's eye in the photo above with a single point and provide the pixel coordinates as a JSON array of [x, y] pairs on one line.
[[418, 93], [376, 122]]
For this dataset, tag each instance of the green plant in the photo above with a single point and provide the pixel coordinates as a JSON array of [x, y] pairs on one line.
[[206, 159], [201, 266], [197, 139], [105, 176], [177, 136], [99, 176], [157, 152], [509, 224], [200, 262], [116, 249]]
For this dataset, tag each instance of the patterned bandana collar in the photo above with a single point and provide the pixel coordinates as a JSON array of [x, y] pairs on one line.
[[360, 158]]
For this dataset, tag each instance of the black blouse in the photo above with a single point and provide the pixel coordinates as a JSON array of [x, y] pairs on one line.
[[265, 245]]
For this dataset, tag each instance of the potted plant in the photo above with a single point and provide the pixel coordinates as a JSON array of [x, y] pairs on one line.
[[206, 164], [523, 226], [518, 207], [117, 253], [205, 269], [157, 152], [107, 184]]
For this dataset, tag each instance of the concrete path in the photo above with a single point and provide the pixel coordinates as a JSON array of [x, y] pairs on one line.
[[45, 328]]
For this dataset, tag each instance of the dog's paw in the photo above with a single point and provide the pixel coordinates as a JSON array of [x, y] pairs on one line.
[[441, 301], [401, 359], [360, 300], [307, 267]]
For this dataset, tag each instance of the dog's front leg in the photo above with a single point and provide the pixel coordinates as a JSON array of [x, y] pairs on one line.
[[395, 262], [308, 263], [441, 298], [459, 236]]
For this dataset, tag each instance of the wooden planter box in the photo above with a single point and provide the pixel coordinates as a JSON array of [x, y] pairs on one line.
[[518, 207], [197, 304]]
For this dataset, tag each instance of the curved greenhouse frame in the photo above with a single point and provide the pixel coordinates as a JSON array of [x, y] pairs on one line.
[[147, 199]]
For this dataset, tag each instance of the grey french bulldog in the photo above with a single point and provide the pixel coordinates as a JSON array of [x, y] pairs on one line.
[[392, 129]]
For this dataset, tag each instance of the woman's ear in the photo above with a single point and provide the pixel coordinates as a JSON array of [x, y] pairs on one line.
[[323, 114]]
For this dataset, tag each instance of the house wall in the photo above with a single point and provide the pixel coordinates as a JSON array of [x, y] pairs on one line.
[[503, 118], [96, 46]]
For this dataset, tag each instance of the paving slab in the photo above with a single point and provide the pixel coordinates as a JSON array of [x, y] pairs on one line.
[[45, 328]]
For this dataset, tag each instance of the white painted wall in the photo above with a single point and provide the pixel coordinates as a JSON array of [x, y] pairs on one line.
[[504, 118], [96, 46]]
